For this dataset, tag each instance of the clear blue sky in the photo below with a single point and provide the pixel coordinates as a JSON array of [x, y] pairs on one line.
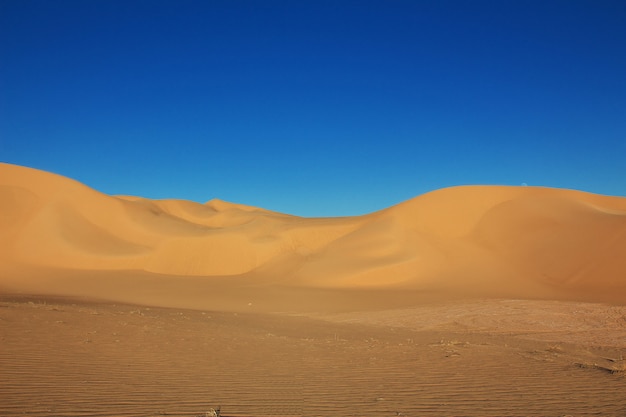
[[315, 108]]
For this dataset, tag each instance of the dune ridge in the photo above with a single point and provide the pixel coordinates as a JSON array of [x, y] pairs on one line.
[[480, 241]]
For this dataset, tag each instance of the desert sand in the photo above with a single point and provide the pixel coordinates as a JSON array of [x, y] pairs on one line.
[[473, 300]]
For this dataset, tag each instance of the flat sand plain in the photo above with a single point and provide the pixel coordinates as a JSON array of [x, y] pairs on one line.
[[69, 357]]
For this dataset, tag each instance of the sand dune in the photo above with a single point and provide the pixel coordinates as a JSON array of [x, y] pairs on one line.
[[463, 301], [59, 236]]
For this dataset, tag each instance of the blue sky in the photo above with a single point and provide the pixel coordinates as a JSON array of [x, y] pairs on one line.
[[315, 108]]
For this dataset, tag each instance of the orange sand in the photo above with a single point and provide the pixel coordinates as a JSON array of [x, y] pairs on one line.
[[60, 237], [474, 301]]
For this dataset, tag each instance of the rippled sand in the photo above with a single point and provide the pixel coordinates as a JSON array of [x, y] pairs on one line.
[[487, 358]]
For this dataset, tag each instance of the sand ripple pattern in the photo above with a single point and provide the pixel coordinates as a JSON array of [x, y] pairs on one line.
[[103, 360]]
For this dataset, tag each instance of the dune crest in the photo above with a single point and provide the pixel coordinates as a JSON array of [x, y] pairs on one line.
[[482, 241]]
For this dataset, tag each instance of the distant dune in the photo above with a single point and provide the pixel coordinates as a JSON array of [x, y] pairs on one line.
[[59, 237]]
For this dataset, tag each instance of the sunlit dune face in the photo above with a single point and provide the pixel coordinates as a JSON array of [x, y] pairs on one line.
[[475, 241]]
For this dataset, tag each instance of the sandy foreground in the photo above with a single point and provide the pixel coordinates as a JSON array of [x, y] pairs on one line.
[[62, 357], [469, 301]]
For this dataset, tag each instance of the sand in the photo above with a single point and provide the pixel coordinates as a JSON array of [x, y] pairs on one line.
[[474, 300]]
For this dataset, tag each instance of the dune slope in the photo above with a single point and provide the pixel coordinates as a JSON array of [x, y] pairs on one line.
[[478, 241]]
